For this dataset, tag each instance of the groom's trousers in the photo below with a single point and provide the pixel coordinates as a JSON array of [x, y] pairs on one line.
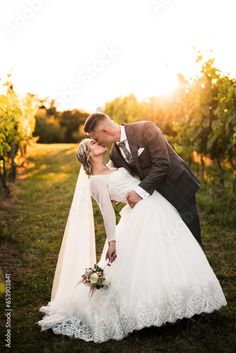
[[190, 217]]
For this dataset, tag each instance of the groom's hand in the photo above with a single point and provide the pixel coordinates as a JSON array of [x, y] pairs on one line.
[[133, 198]]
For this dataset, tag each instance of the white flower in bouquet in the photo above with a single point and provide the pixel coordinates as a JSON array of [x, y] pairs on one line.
[[94, 278], [106, 281]]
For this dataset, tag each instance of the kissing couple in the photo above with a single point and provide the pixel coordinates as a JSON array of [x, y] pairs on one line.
[[158, 270]]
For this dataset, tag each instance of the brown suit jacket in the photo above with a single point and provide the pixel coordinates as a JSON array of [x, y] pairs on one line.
[[159, 167]]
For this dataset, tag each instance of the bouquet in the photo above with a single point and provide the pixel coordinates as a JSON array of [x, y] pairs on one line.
[[94, 278]]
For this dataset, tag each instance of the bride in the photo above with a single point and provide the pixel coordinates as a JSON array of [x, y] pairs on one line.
[[157, 270]]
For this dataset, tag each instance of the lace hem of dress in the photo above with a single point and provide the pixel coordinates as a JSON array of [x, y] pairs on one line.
[[167, 309]]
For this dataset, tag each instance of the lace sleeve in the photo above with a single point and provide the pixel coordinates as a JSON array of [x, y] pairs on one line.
[[100, 193]]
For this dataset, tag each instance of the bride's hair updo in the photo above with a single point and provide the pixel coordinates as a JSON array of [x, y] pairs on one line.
[[84, 157]]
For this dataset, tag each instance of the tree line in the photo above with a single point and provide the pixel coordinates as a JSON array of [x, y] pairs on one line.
[[199, 120]]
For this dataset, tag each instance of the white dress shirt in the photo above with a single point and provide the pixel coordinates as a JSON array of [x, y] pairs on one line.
[[140, 191]]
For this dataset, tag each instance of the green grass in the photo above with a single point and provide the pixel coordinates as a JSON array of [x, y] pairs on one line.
[[32, 226]]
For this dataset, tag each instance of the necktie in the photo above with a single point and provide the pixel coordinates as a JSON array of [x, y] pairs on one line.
[[126, 151]]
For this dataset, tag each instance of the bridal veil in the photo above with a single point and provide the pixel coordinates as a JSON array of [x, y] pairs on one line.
[[78, 249]]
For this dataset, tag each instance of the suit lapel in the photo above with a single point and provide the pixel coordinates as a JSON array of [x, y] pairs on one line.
[[133, 144], [117, 156]]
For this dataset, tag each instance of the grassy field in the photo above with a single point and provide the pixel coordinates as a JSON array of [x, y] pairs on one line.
[[32, 225]]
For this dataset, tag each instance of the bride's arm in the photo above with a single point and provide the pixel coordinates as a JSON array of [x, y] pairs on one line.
[[100, 193]]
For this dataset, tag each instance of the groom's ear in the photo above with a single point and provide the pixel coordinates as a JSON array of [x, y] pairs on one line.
[[105, 131]]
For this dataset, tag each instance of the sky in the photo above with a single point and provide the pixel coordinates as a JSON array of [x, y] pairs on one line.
[[85, 53]]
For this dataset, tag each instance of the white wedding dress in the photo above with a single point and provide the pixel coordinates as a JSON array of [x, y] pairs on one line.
[[161, 274]]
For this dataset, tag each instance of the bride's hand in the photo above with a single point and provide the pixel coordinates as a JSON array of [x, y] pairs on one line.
[[111, 252]]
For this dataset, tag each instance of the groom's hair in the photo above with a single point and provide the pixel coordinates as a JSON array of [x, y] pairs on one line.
[[93, 120]]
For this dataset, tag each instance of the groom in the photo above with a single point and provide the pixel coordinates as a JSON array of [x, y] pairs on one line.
[[141, 148]]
